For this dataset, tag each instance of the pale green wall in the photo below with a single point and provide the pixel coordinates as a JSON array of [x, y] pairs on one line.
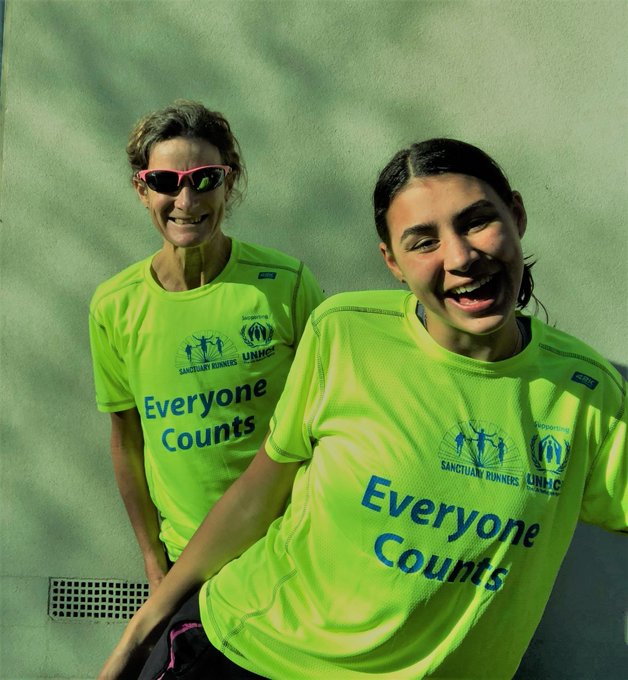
[[320, 94]]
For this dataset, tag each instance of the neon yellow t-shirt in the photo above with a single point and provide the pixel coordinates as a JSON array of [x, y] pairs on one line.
[[204, 368], [437, 499]]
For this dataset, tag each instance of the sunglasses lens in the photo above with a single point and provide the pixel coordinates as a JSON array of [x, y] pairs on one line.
[[162, 181], [207, 179]]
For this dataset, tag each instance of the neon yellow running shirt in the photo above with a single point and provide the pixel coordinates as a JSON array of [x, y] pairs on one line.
[[438, 497], [204, 368]]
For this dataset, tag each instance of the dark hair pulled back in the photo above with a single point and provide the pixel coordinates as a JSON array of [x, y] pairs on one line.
[[439, 156]]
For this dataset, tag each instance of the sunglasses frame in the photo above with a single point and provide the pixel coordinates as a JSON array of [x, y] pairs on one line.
[[141, 175]]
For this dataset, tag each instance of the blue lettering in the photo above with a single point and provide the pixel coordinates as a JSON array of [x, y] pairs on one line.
[[207, 402], [482, 566], [177, 406], [149, 407], [260, 388], [396, 510], [509, 527], [531, 534], [162, 408], [406, 557], [379, 544], [249, 424], [246, 388], [224, 397], [442, 572], [482, 532], [442, 511], [423, 507], [370, 491], [495, 581], [185, 441], [203, 441], [164, 441], [224, 429], [462, 524]]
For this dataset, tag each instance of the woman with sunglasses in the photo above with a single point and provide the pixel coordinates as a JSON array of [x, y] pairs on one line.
[[435, 449], [191, 346]]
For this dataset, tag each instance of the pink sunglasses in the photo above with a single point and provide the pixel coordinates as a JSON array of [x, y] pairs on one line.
[[204, 178]]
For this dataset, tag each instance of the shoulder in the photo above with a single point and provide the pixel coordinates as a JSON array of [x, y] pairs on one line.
[[361, 305], [580, 362], [124, 283], [263, 257]]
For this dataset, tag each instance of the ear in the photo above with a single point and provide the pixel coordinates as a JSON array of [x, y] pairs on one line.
[[141, 190], [390, 261], [519, 212]]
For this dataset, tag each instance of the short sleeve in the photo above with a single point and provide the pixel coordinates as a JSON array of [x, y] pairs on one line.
[[308, 297], [605, 500], [290, 427], [110, 374]]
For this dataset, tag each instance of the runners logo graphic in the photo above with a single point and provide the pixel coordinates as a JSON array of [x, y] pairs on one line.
[[257, 334], [481, 449], [205, 350]]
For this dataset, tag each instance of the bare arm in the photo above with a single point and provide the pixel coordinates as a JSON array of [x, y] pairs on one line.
[[238, 519], [127, 453]]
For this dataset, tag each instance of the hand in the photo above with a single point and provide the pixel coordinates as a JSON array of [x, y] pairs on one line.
[[125, 663], [137, 641], [155, 567]]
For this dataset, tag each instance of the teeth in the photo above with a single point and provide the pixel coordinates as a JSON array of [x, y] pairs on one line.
[[471, 286], [186, 220]]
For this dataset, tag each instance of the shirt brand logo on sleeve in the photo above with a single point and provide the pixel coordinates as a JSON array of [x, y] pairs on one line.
[[585, 380], [204, 351]]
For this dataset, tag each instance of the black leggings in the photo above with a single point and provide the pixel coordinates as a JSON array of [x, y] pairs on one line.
[[183, 652]]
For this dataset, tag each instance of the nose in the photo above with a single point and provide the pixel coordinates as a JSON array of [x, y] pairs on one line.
[[187, 197], [459, 255]]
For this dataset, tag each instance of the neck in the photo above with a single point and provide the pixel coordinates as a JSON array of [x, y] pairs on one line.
[[179, 269], [497, 346]]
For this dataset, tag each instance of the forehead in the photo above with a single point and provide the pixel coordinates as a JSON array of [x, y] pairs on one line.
[[437, 198], [183, 153]]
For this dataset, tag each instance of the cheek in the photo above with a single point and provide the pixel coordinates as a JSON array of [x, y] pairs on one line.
[[158, 205], [422, 276]]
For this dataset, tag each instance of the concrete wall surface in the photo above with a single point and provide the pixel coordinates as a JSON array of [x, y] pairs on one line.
[[320, 94]]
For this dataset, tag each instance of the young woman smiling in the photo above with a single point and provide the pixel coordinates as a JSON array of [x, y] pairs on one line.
[[427, 464]]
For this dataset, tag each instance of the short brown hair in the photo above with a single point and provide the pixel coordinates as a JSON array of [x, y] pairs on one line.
[[186, 118]]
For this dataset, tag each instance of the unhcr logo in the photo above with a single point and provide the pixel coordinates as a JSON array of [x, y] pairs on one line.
[[550, 458], [258, 337], [257, 334]]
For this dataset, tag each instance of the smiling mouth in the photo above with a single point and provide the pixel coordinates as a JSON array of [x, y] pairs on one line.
[[187, 220], [485, 288]]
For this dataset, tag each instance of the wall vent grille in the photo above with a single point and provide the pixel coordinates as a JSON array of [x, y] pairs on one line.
[[102, 599]]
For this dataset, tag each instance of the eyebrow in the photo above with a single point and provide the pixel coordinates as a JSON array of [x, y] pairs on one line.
[[430, 227]]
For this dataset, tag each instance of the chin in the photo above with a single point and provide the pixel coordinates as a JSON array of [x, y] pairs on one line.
[[489, 324]]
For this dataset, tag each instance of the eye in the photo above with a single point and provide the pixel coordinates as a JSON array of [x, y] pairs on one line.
[[480, 222], [423, 245]]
